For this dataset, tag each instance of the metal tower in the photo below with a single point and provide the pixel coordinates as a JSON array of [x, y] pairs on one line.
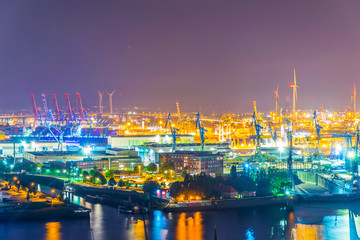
[[178, 111], [276, 102]]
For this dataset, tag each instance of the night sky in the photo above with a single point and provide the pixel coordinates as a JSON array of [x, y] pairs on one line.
[[220, 55]]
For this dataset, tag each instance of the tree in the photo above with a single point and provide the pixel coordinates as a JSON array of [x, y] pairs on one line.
[[4, 168], [263, 184], [92, 172], [150, 187], [25, 166], [167, 166], [111, 182], [98, 178], [233, 173], [85, 175], [151, 167], [139, 168], [121, 183], [175, 189], [184, 172], [53, 168], [109, 174]]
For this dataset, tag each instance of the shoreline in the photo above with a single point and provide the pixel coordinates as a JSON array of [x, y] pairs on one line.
[[18, 208]]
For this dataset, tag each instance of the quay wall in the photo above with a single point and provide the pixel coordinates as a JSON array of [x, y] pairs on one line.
[[321, 181]]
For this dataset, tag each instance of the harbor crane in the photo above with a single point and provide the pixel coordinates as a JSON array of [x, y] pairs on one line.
[[317, 131], [35, 110], [273, 133], [173, 131], [257, 157], [202, 130]]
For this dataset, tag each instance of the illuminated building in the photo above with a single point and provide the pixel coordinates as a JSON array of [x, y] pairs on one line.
[[149, 152], [197, 162], [136, 140], [110, 158]]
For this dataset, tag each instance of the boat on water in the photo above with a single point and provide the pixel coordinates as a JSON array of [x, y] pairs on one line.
[[124, 209], [92, 199]]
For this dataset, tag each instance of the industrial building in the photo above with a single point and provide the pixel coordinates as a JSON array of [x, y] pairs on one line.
[[197, 162], [120, 163], [113, 158], [18, 147], [137, 140], [149, 152]]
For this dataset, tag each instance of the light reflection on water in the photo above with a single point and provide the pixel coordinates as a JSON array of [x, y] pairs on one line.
[[189, 226], [53, 230], [325, 221]]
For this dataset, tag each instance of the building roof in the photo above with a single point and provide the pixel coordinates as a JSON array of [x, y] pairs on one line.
[[67, 153], [196, 153]]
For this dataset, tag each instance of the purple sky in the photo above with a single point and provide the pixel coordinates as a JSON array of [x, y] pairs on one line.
[[222, 54]]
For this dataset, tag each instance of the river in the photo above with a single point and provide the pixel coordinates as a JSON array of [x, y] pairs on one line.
[[315, 221]]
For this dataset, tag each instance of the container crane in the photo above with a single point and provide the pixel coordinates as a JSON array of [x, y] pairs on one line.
[[173, 131], [33, 103], [257, 157], [68, 106], [202, 130], [80, 107], [317, 130], [46, 111], [56, 107], [273, 133], [290, 160]]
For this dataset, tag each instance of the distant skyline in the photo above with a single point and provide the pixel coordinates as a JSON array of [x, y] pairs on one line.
[[220, 55]]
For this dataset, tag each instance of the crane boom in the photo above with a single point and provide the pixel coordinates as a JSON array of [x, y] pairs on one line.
[[80, 107], [43, 98], [68, 106], [56, 107], [33, 103]]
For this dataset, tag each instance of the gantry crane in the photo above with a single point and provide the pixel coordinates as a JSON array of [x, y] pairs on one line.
[[173, 131], [225, 129]]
